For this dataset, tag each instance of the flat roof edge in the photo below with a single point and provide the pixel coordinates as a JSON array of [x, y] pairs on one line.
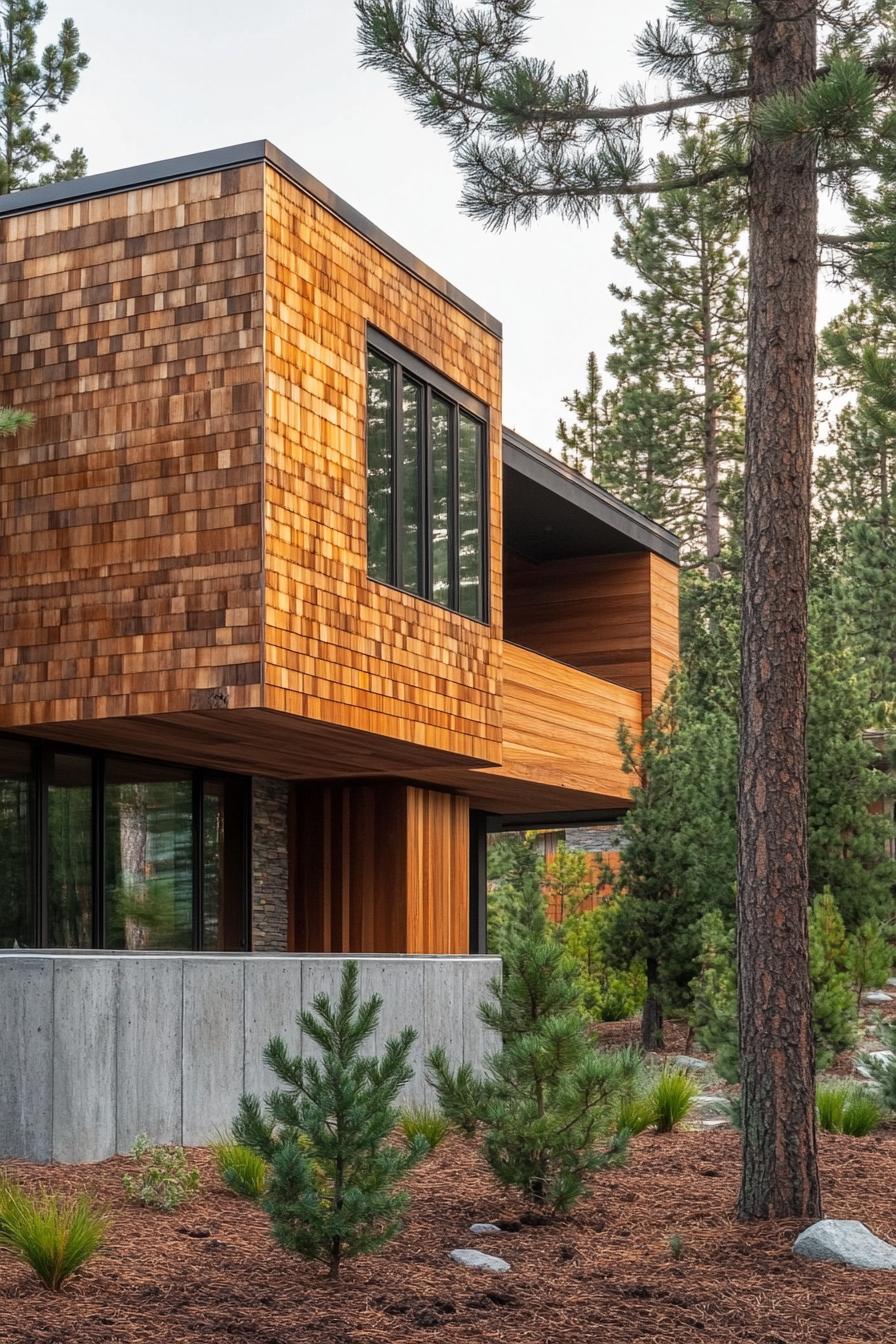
[[545, 469], [238, 156]]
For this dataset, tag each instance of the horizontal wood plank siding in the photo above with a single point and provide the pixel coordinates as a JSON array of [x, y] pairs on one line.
[[339, 647], [130, 558]]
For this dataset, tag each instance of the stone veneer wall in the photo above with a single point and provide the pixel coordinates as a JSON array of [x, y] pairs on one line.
[[270, 865]]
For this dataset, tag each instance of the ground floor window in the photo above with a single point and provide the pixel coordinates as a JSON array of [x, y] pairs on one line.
[[99, 850]]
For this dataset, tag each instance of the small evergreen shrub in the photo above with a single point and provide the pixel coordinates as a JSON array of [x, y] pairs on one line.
[[331, 1192], [55, 1236], [883, 1071], [670, 1099], [165, 1180], [870, 958], [242, 1170], [846, 1108], [425, 1123], [548, 1104]]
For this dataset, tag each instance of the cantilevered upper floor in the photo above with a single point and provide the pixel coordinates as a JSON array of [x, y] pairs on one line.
[[266, 519]]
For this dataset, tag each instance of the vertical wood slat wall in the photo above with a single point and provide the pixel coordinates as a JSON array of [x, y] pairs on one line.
[[380, 867]]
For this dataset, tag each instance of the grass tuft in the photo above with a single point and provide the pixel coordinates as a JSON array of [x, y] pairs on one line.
[[243, 1171], [847, 1108], [425, 1123], [671, 1098], [55, 1236]]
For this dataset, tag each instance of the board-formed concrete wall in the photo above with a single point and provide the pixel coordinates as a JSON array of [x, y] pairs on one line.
[[96, 1048]]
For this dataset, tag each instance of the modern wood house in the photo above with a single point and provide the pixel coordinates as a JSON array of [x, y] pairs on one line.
[[287, 620]]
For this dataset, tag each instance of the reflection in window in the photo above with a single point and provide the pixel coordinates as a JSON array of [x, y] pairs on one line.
[[70, 850], [411, 440], [223, 864], [148, 840], [380, 417], [469, 501], [441, 501], [426, 483], [17, 914]]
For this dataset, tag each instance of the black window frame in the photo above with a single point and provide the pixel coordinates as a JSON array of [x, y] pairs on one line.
[[42, 750], [406, 366]]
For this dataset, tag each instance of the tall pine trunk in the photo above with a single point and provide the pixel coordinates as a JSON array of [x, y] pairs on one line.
[[652, 1014], [780, 1174]]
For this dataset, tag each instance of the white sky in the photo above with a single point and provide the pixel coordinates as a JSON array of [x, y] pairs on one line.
[[180, 76]]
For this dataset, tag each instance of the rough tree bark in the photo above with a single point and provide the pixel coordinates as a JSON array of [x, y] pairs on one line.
[[780, 1174], [652, 1014]]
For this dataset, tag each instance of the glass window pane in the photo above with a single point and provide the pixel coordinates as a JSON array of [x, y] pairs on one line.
[[440, 440], [379, 468], [223, 864], [148, 856], [411, 533], [17, 906], [69, 851], [469, 503]]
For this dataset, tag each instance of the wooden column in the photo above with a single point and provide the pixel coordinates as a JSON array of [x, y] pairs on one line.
[[379, 867]]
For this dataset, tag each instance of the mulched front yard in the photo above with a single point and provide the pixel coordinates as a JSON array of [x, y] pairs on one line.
[[209, 1272]]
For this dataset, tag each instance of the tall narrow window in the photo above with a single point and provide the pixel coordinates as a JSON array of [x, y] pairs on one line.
[[223, 863], [469, 511], [149, 856], [440, 438], [70, 850], [17, 913], [426, 483], [380, 419]]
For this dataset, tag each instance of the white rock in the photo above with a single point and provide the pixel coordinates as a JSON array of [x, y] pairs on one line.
[[877, 996], [885, 1057], [484, 1229], [892, 982], [690, 1062], [476, 1260], [847, 1242]]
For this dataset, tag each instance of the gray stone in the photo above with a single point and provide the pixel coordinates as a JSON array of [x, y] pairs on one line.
[[690, 1062], [485, 1229], [846, 1242], [493, 1264], [892, 982], [85, 1007], [877, 996], [884, 1056]]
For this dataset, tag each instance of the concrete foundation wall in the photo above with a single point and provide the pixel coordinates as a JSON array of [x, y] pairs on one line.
[[97, 1047]]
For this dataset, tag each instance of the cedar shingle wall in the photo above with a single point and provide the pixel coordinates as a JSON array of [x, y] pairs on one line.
[[130, 514], [338, 647]]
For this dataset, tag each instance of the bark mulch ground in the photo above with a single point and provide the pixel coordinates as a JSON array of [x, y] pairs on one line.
[[209, 1272]]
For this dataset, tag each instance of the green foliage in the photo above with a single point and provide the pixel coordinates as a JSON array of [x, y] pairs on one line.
[[883, 1070], [165, 1180], [422, 1122], [608, 994], [676, 1246], [671, 1098], [678, 859], [515, 877], [332, 1187], [33, 85], [55, 1236], [548, 1101], [242, 1170], [568, 883], [714, 1006], [11, 421], [870, 957], [833, 1005], [847, 1108]]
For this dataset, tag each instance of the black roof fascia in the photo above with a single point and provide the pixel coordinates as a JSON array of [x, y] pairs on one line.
[[551, 474], [238, 156]]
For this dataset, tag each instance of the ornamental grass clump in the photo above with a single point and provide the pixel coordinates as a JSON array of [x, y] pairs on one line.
[[547, 1105], [242, 1170], [332, 1192], [670, 1099], [846, 1108], [54, 1235], [425, 1123]]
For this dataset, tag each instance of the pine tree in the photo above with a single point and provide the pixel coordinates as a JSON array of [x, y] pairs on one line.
[[529, 140], [33, 86], [609, 993], [848, 838], [515, 877], [870, 958], [547, 1104], [678, 859], [833, 1007], [580, 438], [331, 1193], [568, 884], [713, 1012]]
